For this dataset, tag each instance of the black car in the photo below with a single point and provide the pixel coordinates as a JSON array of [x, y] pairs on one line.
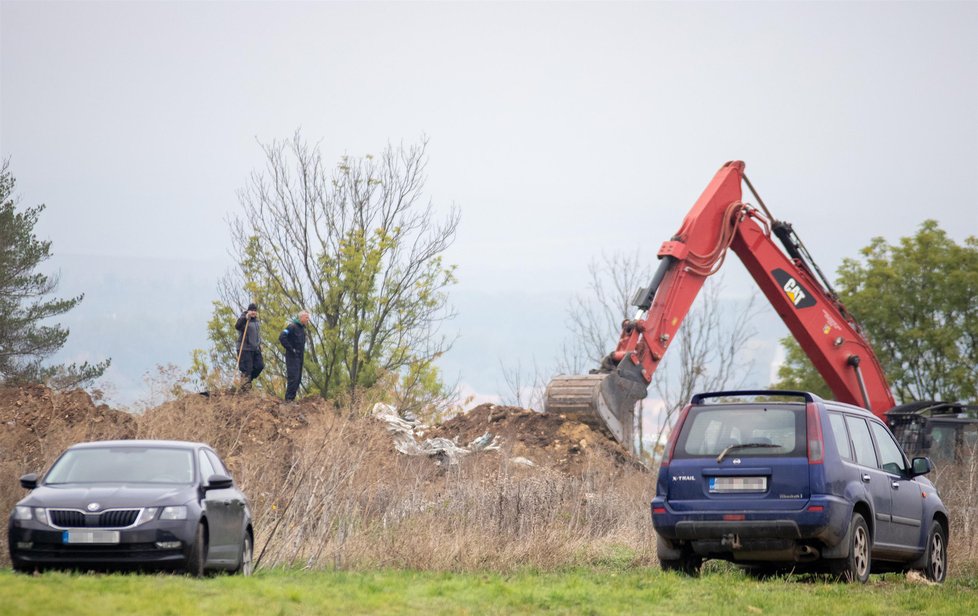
[[133, 504]]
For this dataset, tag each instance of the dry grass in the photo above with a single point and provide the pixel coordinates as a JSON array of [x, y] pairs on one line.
[[958, 487], [328, 490], [332, 492]]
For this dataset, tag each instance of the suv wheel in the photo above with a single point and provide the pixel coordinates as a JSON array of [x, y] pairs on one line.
[[936, 568], [687, 563], [856, 567]]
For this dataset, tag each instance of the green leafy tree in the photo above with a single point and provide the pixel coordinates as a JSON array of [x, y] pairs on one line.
[[360, 249], [25, 339], [916, 303]]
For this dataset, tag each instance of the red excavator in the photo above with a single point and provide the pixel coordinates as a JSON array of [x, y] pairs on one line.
[[796, 288]]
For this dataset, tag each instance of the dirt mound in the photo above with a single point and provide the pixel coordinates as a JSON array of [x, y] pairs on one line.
[[328, 485], [38, 423], [250, 425], [544, 439]]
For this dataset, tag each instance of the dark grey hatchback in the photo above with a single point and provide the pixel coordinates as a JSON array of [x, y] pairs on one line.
[[133, 504]]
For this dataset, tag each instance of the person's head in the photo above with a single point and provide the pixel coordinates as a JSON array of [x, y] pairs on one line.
[[252, 309], [304, 317]]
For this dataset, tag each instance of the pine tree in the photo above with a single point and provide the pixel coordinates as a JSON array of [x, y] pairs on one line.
[[25, 305]]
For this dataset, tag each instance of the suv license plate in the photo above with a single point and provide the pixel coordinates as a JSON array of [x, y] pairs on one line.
[[738, 484], [90, 536]]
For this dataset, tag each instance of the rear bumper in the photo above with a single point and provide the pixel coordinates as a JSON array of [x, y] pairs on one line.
[[754, 529], [819, 523]]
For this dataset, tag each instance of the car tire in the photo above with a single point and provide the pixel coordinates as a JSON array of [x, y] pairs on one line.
[[197, 560], [935, 568], [687, 564], [23, 568], [246, 566], [858, 564], [761, 572]]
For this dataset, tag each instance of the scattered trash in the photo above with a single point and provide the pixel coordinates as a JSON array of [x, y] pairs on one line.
[[445, 450]]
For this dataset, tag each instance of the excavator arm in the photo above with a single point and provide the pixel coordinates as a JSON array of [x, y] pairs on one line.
[[786, 275]]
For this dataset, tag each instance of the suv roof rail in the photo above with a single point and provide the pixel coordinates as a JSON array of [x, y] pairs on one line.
[[807, 396]]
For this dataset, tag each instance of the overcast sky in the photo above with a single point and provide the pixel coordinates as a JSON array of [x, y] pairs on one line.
[[561, 130]]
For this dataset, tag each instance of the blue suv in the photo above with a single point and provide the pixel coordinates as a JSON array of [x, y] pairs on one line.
[[778, 480]]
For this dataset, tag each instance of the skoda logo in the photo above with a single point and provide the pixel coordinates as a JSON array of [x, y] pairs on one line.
[[93, 506], [735, 461]]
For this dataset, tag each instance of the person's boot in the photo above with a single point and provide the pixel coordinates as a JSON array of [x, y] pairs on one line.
[[245, 384]]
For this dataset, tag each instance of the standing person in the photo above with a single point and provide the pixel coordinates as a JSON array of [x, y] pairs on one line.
[[293, 338], [250, 362]]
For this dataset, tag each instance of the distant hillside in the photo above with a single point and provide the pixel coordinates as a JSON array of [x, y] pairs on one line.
[[148, 312]]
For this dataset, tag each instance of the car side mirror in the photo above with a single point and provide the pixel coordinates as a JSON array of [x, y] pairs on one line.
[[29, 481], [219, 482], [921, 466]]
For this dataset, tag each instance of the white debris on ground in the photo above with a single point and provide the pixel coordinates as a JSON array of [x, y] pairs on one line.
[[445, 450]]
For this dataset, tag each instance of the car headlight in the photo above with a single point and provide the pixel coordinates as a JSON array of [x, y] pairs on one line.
[[148, 515], [24, 514], [178, 512]]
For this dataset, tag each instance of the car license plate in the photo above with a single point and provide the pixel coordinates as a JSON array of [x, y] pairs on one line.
[[738, 484], [90, 536]]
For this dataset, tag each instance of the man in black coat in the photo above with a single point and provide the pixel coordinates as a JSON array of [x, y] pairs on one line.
[[293, 339], [250, 361]]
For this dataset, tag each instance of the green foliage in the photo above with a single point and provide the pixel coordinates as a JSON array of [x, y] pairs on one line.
[[916, 301], [612, 590], [358, 249], [798, 373], [25, 341]]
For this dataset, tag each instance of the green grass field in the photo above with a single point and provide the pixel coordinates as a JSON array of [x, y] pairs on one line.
[[590, 591]]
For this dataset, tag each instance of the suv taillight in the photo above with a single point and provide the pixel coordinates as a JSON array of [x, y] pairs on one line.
[[674, 437], [816, 445]]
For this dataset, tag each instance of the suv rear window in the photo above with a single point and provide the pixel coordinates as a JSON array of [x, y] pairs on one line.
[[708, 431]]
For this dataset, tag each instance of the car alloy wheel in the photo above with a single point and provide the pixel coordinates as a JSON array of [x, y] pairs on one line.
[[247, 557], [936, 553], [860, 556], [196, 561], [858, 564]]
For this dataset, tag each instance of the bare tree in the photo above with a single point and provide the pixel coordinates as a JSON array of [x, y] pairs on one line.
[[707, 355], [704, 355], [594, 318], [524, 387]]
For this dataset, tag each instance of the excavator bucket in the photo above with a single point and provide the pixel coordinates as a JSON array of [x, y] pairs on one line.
[[604, 401]]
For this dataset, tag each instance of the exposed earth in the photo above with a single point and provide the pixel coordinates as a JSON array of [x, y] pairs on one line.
[[262, 436]]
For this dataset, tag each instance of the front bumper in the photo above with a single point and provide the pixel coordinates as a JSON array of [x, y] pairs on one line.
[[34, 544]]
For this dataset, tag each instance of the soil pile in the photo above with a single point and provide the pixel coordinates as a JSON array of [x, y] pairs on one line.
[[544, 439], [253, 427], [328, 486], [38, 424]]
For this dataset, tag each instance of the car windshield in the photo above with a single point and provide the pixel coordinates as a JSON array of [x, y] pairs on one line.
[[123, 465], [760, 431]]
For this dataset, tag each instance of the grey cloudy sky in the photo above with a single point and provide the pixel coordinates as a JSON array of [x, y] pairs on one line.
[[561, 130]]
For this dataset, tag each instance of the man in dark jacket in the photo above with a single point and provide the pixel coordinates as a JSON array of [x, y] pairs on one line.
[[293, 339], [250, 362]]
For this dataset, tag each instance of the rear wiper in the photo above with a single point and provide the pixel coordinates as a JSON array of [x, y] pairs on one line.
[[742, 446]]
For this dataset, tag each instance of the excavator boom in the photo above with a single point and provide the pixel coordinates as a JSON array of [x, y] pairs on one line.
[[786, 275]]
